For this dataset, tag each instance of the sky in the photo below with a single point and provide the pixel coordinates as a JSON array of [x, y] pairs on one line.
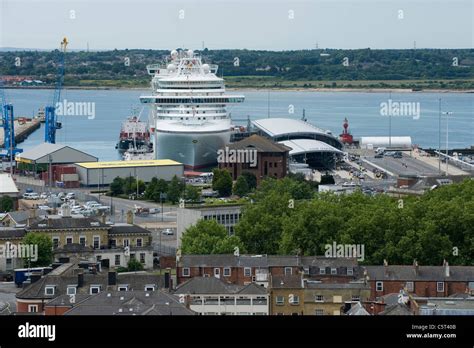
[[250, 24]]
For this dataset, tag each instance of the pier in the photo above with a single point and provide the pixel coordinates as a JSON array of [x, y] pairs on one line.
[[23, 128]]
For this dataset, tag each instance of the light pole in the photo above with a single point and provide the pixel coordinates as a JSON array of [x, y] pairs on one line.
[[447, 113], [439, 137]]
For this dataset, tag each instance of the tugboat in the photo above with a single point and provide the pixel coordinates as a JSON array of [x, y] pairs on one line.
[[134, 133], [138, 153]]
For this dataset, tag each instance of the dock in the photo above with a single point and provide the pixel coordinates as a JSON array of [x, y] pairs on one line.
[[22, 129]]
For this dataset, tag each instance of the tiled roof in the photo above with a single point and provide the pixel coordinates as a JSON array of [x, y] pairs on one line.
[[127, 229], [259, 143], [68, 223], [427, 273], [213, 285], [11, 232], [286, 282]]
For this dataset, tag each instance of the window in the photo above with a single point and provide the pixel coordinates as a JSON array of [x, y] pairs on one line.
[[333, 270], [217, 272], [410, 286], [142, 257], [322, 271], [117, 260], [49, 290], [55, 242], [82, 240], [149, 287], [9, 264], [280, 300], [126, 242], [379, 286], [350, 271], [185, 272], [96, 242], [288, 270], [440, 286], [319, 298], [95, 289], [319, 312], [68, 240], [226, 271], [295, 300], [71, 289], [355, 298], [122, 288], [247, 272], [139, 242], [32, 308], [113, 243]]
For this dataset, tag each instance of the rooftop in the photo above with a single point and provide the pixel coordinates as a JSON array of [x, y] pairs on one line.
[[213, 285], [426, 273], [275, 127], [43, 150], [302, 146], [259, 143], [127, 164], [7, 184], [68, 223]]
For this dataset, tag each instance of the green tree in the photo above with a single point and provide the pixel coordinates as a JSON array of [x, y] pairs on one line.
[[150, 188], [192, 193], [222, 182], [129, 185], [116, 186], [45, 248], [134, 265], [160, 188], [209, 237], [175, 190], [6, 204], [251, 180], [241, 187]]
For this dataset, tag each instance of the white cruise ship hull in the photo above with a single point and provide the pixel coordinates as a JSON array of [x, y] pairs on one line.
[[194, 150]]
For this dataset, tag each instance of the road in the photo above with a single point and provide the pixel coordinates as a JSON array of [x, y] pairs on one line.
[[403, 166]]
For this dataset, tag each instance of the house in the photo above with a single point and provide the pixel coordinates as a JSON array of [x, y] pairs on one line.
[[333, 298], [242, 269], [11, 235], [136, 302], [286, 294], [16, 218], [70, 280], [213, 296], [92, 240], [423, 281], [257, 155], [445, 306]]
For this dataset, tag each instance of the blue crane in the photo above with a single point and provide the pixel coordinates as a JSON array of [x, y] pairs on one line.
[[51, 123], [8, 124]]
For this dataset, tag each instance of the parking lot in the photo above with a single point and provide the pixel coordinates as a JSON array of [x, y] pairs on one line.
[[401, 166]]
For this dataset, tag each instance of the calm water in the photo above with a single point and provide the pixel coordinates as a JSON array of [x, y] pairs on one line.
[[324, 109]]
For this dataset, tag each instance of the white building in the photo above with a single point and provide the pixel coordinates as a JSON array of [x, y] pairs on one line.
[[212, 296]]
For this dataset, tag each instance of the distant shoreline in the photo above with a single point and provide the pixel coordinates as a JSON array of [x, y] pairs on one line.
[[278, 89]]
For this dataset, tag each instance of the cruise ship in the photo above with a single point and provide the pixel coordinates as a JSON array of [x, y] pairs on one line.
[[189, 117]]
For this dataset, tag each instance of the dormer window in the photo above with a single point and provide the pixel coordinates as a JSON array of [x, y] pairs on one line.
[[71, 289], [94, 289], [123, 287], [49, 290], [150, 287]]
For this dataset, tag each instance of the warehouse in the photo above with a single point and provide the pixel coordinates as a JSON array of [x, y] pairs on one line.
[[38, 158], [103, 173]]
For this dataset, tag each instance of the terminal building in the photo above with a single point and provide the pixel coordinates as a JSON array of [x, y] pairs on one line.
[[103, 173], [309, 144]]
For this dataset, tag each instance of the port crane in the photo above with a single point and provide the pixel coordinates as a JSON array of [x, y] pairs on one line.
[[8, 123], [51, 123]]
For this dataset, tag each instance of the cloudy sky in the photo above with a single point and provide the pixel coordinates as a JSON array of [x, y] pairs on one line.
[[252, 24]]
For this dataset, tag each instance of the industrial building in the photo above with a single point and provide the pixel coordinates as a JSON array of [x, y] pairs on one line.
[[41, 156], [103, 173], [309, 144], [388, 142], [9, 188]]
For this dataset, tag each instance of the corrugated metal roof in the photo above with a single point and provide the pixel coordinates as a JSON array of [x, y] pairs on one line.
[[301, 146], [128, 164], [40, 151], [280, 126], [7, 184]]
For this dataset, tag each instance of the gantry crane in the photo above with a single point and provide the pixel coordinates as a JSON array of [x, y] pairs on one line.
[[51, 123]]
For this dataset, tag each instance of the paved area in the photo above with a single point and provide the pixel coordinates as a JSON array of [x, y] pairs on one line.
[[8, 291], [404, 165], [434, 162]]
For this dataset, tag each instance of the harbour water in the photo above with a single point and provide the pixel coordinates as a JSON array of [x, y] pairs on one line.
[[98, 135]]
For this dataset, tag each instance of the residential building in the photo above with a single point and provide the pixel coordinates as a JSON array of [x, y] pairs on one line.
[[9, 236], [69, 280], [423, 281], [213, 296], [286, 294]]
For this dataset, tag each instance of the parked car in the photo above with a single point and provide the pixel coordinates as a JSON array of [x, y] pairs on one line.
[[154, 210], [70, 195], [167, 232], [32, 195]]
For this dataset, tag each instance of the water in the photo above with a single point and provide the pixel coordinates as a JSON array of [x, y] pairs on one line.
[[326, 110]]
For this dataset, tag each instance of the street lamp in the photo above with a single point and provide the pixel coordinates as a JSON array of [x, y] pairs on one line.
[[447, 113]]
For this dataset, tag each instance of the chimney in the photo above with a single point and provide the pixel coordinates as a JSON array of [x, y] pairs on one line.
[[446, 268], [80, 279], [415, 267], [112, 278], [385, 267], [102, 218], [167, 280]]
